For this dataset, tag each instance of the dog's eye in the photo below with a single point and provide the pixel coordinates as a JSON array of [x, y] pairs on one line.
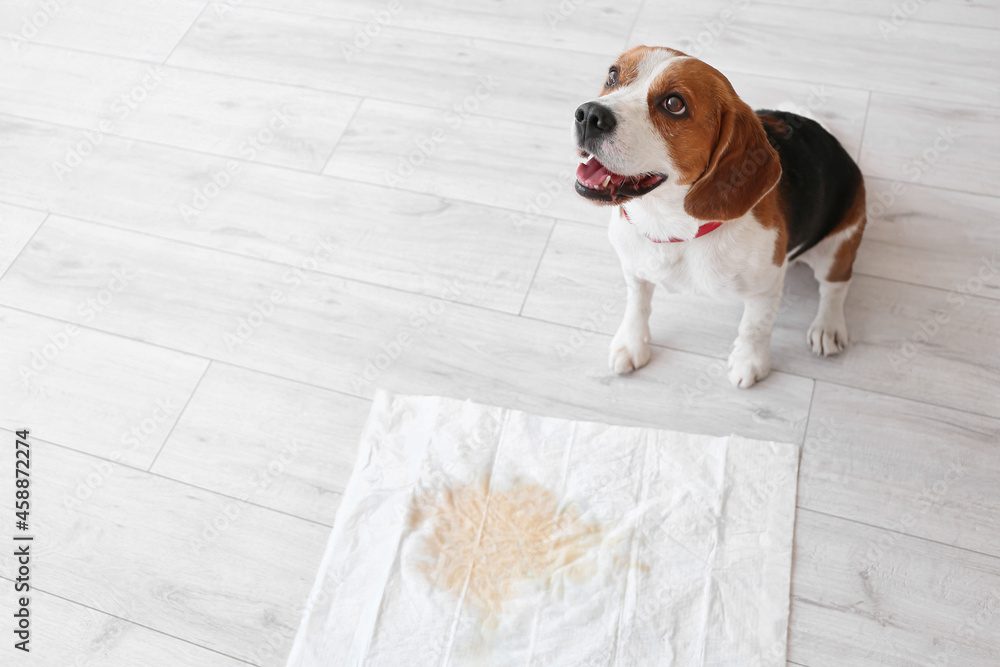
[[612, 78], [674, 104]]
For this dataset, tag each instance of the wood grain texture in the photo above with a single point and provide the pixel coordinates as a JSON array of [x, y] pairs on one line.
[[456, 75], [914, 603], [904, 338], [71, 634], [413, 241], [951, 146], [261, 122], [598, 27], [928, 236], [179, 560], [417, 287], [978, 13], [840, 109], [810, 44], [354, 337], [917, 469], [143, 29], [528, 168], [270, 441], [79, 387]]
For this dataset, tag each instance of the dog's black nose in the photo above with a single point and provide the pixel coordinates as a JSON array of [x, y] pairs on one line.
[[593, 120]]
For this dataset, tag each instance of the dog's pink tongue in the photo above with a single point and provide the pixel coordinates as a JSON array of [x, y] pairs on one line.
[[595, 173]]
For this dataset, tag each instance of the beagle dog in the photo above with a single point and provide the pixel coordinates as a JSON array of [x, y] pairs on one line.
[[712, 198]]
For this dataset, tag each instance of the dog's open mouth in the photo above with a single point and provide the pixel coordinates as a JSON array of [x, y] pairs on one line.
[[595, 181]]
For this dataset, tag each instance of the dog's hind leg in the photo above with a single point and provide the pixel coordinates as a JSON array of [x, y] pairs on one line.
[[832, 260], [828, 333]]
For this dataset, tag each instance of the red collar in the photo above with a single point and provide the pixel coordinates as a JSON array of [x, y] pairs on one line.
[[704, 229]]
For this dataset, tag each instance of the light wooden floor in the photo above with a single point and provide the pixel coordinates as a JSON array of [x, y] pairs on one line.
[[223, 225]]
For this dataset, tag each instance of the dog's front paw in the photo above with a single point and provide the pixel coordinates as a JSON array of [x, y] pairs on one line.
[[629, 351], [748, 364], [827, 336]]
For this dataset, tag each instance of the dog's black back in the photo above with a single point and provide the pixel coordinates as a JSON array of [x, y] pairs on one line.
[[819, 180]]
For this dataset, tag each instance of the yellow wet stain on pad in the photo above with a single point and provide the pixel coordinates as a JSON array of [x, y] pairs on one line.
[[477, 535]]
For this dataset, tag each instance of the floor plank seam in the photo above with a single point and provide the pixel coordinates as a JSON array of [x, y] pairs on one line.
[[277, 264], [189, 354], [425, 31], [635, 21], [267, 165], [188, 31], [135, 623], [192, 485], [347, 127], [914, 93], [628, 35], [864, 126], [479, 307], [497, 312], [173, 147], [987, 298], [524, 121], [328, 525], [805, 430], [541, 258], [869, 92], [27, 243], [930, 540], [180, 415], [527, 317], [832, 7]]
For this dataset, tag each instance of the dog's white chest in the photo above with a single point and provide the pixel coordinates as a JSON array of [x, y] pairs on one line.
[[729, 263]]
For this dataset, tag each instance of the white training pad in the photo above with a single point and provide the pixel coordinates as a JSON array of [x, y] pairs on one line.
[[475, 535]]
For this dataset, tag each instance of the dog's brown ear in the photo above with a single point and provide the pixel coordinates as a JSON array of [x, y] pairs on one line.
[[743, 168]]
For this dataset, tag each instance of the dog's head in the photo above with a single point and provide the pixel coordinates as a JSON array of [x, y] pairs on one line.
[[664, 121]]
